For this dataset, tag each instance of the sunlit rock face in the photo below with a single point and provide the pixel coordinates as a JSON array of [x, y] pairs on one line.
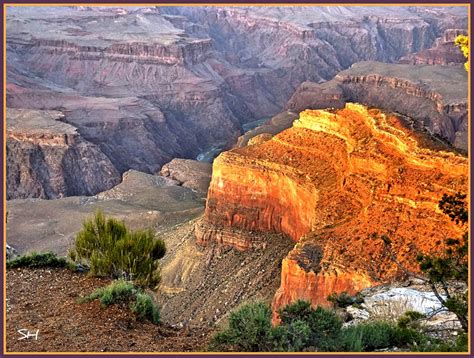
[[435, 96], [330, 182]]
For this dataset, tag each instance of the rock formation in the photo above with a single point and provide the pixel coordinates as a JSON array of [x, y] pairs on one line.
[[444, 52], [189, 173], [436, 96], [182, 79], [142, 200], [47, 158], [330, 182]]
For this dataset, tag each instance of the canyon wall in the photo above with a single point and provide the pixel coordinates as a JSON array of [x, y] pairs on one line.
[[334, 182], [435, 96], [181, 80], [444, 51], [48, 159]]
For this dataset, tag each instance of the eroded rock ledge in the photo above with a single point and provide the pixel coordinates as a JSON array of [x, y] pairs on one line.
[[329, 182]]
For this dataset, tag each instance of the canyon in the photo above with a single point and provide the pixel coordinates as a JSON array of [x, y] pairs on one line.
[[333, 183], [271, 148], [182, 80]]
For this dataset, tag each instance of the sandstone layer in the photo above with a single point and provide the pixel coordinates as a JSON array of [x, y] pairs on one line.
[[329, 183], [436, 96], [181, 80]]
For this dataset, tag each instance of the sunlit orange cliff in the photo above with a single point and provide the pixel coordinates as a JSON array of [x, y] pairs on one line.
[[329, 182]]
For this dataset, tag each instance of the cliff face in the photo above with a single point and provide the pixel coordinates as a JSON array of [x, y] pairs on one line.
[[48, 159], [444, 51], [433, 95], [329, 183]]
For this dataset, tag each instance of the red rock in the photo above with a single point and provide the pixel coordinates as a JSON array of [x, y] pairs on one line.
[[329, 182]]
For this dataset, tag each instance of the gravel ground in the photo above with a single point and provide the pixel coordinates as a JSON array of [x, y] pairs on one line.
[[46, 300]]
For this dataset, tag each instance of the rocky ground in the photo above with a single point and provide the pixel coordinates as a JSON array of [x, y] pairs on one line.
[[46, 300], [200, 286]]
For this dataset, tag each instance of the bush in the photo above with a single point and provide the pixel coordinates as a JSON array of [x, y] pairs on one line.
[[38, 260], [324, 324], [377, 335], [303, 328], [249, 330], [120, 291], [410, 319], [110, 249], [367, 337], [459, 345], [117, 291], [343, 299], [145, 308]]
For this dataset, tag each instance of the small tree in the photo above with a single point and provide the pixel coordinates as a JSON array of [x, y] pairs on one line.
[[111, 249], [453, 263]]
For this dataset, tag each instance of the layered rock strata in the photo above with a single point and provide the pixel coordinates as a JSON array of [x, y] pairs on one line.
[[444, 52], [182, 79], [436, 96], [47, 158], [330, 182], [189, 173]]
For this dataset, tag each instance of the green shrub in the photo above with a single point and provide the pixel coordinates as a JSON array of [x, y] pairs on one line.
[[377, 335], [37, 260], [117, 291], [324, 324], [303, 328], [249, 330], [367, 337], [459, 345], [410, 319], [120, 291], [110, 249], [145, 308], [343, 299], [299, 310]]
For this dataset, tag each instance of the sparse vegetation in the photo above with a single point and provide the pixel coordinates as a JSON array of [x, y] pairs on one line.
[[366, 337], [125, 292], [145, 308], [249, 330], [38, 260], [324, 325], [109, 248], [118, 291], [303, 328], [344, 299]]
